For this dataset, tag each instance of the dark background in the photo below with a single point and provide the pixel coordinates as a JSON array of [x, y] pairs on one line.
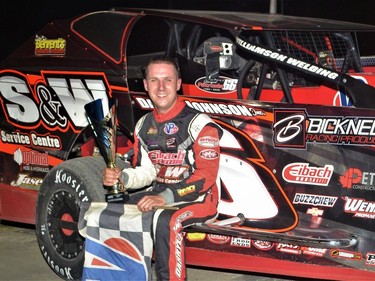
[[21, 19]]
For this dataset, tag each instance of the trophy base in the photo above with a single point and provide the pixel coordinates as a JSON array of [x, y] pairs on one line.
[[120, 197]]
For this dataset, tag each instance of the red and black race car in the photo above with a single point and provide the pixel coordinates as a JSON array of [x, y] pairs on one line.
[[293, 95]]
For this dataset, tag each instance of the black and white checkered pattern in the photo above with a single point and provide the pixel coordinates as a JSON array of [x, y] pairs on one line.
[[100, 221]]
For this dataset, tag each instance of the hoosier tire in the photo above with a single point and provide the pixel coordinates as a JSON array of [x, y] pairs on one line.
[[60, 196]]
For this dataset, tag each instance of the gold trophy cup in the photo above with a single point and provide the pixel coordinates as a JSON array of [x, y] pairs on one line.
[[105, 129]]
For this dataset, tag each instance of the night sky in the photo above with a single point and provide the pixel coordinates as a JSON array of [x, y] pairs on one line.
[[20, 19]]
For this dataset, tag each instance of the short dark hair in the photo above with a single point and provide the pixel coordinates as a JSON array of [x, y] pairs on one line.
[[161, 59]]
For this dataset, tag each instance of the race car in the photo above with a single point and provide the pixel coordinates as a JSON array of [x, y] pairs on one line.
[[293, 95]]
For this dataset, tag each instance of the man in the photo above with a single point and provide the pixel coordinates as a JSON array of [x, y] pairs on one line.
[[176, 149]]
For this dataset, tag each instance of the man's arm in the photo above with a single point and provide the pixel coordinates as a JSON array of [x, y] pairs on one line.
[[133, 178], [143, 173]]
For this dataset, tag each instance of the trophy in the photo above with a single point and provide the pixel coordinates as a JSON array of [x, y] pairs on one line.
[[104, 129]]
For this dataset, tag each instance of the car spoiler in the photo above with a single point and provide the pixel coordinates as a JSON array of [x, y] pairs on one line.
[[361, 94]]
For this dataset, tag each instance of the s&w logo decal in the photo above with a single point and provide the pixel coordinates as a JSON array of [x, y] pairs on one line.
[[54, 99]]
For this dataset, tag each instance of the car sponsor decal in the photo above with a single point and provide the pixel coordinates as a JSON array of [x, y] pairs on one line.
[[39, 141], [310, 251], [314, 200], [49, 47], [361, 208], [216, 108], [54, 99], [220, 85], [289, 128], [370, 259], [218, 239], [15, 138], [263, 245], [341, 130], [31, 160], [315, 212], [240, 242], [302, 173], [196, 236], [288, 61], [27, 181], [144, 103], [30, 157], [294, 129], [354, 178], [344, 254], [225, 109], [288, 248], [316, 216]]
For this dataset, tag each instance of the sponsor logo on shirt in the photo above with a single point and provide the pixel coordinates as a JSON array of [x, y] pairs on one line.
[[208, 141], [158, 157], [209, 154], [170, 128]]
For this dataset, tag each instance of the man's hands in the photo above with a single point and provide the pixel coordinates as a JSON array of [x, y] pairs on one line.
[[111, 176], [147, 203]]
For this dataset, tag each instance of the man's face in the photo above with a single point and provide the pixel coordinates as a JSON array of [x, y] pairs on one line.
[[162, 84]]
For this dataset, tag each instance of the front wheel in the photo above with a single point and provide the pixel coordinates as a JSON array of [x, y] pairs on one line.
[[57, 212]]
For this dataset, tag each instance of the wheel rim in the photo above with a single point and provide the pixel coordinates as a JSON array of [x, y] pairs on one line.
[[62, 222]]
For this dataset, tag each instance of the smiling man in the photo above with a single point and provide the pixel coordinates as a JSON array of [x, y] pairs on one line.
[[176, 153]]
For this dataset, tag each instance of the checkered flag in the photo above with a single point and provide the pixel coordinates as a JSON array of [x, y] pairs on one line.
[[118, 242]]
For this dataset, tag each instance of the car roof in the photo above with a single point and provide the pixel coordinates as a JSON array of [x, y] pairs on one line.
[[255, 21]]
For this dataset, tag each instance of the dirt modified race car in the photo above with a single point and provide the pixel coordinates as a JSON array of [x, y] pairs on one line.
[[293, 95]]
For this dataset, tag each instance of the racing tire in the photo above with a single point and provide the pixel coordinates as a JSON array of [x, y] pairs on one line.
[[57, 212]]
